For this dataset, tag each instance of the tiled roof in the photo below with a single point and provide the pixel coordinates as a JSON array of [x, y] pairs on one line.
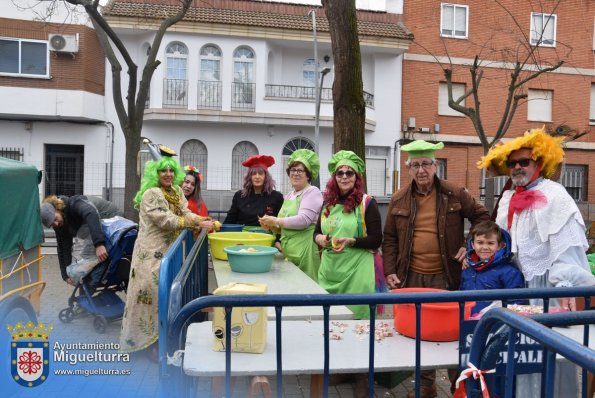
[[257, 13]]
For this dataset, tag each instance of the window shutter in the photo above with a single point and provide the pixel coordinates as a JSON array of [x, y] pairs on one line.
[[539, 105]]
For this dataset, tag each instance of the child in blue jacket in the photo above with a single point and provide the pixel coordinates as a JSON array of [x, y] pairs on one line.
[[490, 263]]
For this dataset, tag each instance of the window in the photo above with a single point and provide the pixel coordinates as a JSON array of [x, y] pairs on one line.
[[309, 73], [24, 57], [243, 79], [210, 63], [242, 151], [290, 146], [574, 179], [441, 168], [454, 21], [175, 87], [377, 158], [499, 183], [458, 90], [209, 84], [592, 112], [194, 153], [543, 29], [12, 153], [539, 105]]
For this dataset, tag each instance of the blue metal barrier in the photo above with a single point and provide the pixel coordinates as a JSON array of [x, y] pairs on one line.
[[179, 321], [538, 328], [182, 278]]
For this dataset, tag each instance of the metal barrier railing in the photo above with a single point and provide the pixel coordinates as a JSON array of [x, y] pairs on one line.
[[178, 274], [179, 321], [538, 328]]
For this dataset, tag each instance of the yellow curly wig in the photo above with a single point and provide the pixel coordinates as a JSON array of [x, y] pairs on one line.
[[543, 147]]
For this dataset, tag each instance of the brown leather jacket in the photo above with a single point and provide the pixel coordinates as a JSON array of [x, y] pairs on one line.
[[454, 204]]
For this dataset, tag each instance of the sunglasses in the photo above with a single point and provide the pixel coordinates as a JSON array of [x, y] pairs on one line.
[[347, 174], [524, 162]]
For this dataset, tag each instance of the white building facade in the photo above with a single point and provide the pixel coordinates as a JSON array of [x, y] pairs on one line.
[[234, 81]]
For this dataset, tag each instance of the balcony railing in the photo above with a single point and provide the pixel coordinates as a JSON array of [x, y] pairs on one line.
[[175, 93], [369, 99], [242, 96], [309, 93], [209, 94], [298, 92]]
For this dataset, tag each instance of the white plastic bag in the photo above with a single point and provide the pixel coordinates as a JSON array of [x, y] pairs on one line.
[[84, 258]]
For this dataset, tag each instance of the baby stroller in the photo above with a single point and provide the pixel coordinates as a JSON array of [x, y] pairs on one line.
[[96, 294]]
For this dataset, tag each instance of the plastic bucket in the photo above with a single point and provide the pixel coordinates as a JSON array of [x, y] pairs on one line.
[[250, 259], [220, 240], [439, 321], [231, 227]]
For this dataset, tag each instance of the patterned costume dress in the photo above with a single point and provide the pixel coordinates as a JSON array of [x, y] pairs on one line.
[[160, 223]]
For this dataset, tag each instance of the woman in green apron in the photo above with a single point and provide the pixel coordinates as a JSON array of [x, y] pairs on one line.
[[346, 236], [299, 213]]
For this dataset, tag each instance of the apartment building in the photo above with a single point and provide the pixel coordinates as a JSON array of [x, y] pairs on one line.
[[52, 99], [451, 35], [238, 78]]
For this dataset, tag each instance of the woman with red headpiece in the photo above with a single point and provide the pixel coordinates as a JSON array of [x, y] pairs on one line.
[[257, 197], [192, 191]]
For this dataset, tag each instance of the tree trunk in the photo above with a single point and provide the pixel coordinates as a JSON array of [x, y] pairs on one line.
[[132, 179], [348, 93]]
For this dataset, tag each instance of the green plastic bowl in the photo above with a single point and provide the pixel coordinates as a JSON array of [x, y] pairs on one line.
[[250, 262], [221, 240]]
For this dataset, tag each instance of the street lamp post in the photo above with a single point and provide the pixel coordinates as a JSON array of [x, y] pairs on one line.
[[312, 13], [323, 73]]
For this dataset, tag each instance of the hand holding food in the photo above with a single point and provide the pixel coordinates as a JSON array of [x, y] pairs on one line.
[[338, 244], [209, 225]]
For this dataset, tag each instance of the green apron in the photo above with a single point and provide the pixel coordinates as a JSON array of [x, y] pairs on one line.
[[351, 270], [298, 244]]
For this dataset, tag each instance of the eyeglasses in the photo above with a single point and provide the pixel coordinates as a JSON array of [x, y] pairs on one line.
[[416, 166], [348, 174], [524, 162], [165, 170], [297, 171]]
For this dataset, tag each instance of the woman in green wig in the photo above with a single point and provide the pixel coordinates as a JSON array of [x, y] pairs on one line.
[[349, 230], [299, 213], [163, 214]]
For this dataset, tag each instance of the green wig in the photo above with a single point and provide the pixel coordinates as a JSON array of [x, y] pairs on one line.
[[151, 176]]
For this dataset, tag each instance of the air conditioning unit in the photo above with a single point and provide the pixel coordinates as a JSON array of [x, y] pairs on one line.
[[64, 43]]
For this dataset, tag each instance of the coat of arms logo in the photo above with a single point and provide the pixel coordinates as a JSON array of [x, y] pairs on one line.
[[30, 353]]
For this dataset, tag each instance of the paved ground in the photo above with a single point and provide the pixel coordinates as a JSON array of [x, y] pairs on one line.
[[143, 380]]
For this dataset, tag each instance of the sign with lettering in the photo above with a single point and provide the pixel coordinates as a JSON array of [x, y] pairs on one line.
[[528, 354]]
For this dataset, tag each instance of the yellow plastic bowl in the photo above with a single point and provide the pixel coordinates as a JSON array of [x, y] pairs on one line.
[[221, 240]]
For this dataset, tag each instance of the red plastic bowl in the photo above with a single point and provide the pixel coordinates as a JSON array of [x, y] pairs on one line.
[[439, 321]]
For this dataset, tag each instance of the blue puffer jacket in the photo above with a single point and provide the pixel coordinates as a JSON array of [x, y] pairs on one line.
[[500, 273]]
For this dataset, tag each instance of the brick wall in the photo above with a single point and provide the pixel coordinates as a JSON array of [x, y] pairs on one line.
[[495, 36], [83, 71]]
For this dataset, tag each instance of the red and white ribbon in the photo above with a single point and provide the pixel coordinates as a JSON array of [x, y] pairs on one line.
[[472, 371]]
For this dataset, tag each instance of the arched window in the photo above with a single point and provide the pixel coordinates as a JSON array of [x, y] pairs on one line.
[[241, 151], [209, 83], [194, 152], [289, 147], [243, 79], [309, 73], [210, 63], [175, 87]]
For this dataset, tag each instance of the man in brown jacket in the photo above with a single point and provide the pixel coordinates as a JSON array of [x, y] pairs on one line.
[[424, 240]]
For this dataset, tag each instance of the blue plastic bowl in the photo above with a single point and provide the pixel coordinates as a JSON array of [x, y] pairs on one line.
[[231, 227], [250, 262]]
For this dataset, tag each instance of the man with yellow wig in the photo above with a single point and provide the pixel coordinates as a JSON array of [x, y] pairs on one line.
[[546, 227]]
